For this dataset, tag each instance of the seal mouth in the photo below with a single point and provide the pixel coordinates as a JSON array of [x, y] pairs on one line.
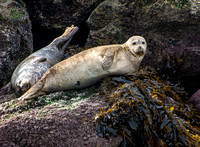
[[140, 53]]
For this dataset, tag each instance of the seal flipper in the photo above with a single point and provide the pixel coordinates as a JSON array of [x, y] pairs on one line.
[[107, 60], [63, 41], [33, 92]]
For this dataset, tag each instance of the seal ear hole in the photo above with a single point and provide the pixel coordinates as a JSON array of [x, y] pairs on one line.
[[78, 83], [60, 46]]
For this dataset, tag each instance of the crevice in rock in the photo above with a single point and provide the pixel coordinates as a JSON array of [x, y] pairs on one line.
[[80, 38], [44, 33], [43, 36]]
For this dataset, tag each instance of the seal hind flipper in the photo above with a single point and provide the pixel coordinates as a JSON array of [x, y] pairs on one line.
[[63, 41], [107, 59]]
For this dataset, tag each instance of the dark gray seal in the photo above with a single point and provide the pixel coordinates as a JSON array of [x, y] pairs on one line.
[[30, 70]]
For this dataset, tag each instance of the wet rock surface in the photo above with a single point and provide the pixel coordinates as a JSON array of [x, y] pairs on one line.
[[15, 37]]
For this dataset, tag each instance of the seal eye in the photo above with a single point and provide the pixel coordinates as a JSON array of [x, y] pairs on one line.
[[134, 43], [143, 42]]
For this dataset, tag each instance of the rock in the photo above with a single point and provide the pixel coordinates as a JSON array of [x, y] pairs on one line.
[[183, 61], [54, 120], [167, 26], [15, 37], [57, 14], [6, 93], [195, 99], [107, 23], [50, 18]]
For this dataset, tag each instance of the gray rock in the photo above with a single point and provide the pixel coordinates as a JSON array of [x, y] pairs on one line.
[[15, 37], [57, 14]]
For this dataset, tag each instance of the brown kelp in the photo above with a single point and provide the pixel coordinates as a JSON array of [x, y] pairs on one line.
[[148, 111]]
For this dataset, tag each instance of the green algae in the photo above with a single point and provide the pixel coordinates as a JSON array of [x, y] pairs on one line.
[[17, 14], [180, 3], [66, 99]]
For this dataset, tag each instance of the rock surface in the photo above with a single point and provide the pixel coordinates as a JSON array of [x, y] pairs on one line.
[[58, 14], [15, 37], [50, 18], [182, 62], [58, 119]]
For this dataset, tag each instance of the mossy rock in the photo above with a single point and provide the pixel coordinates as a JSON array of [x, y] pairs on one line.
[[16, 37]]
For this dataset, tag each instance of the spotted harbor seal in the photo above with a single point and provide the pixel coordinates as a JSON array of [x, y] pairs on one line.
[[30, 70], [89, 66]]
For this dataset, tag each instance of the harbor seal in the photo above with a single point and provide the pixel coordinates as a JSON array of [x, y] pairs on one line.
[[87, 67], [30, 70]]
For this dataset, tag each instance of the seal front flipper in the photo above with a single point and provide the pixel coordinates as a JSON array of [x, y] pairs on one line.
[[107, 59]]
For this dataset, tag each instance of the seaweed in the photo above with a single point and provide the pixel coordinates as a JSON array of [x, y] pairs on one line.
[[148, 111]]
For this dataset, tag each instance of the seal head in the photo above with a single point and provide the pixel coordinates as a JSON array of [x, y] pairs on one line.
[[137, 46]]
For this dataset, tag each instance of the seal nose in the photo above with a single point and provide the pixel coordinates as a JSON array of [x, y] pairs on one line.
[[140, 47], [23, 86], [26, 86]]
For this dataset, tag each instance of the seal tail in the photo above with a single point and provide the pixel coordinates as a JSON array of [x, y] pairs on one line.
[[33, 92], [63, 41]]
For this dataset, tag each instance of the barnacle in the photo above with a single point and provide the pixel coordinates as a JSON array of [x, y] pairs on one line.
[[148, 111]]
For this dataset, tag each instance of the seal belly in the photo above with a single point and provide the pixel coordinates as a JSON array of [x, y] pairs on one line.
[[75, 75]]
